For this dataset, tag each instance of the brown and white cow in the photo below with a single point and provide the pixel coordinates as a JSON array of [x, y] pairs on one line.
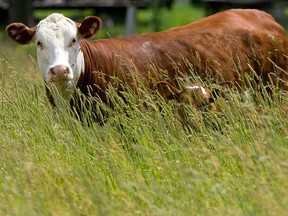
[[223, 48]]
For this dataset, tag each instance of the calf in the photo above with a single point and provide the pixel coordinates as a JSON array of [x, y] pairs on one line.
[[224, 48], [195, 94]]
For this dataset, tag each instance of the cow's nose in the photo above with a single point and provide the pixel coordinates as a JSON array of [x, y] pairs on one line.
[[59, 72]]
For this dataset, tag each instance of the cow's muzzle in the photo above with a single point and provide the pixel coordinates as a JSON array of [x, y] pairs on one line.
[[59, 73]]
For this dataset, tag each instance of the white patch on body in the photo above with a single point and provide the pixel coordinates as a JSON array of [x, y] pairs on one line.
[[203, 90], [146, 47]]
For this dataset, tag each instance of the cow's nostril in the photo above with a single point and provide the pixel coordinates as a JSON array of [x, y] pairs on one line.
[[66, 71], [52, 72]]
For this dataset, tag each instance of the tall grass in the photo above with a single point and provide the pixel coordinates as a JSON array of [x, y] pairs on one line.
[[141, 161]]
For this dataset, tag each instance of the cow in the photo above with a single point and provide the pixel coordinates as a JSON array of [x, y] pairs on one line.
[[224, 48]]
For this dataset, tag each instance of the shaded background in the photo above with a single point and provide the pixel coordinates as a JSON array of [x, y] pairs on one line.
[[130, 13]]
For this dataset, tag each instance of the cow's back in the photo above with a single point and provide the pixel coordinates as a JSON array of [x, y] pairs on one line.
[[227, 45], [220, 48]]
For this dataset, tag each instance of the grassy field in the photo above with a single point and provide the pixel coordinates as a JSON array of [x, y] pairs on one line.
[[51, 164]]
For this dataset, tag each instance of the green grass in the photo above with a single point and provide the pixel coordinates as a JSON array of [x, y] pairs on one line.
[[51, 164]]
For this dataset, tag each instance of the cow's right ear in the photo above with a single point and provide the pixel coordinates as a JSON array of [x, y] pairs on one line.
[[20, 33], [89, 26]]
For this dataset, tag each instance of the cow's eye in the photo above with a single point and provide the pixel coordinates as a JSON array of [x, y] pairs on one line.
[[73, 42], [39, 44]]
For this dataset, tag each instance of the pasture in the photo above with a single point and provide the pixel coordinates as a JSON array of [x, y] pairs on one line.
[[143, 163]]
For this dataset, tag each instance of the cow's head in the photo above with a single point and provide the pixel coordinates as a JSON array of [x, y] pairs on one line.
[[194, 95], [59, 56]]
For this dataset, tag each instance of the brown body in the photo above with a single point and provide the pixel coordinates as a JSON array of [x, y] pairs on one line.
[[222, 48]]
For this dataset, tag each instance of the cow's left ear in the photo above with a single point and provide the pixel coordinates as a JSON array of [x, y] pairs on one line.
[[89, 26]]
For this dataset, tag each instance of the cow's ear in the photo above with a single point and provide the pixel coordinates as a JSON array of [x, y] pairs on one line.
[[89, 26], [167, 90], [20, 33]]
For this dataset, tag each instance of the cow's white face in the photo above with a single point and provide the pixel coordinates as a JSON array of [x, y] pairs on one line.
[[58, 53], [59, 56], [57, 44]]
